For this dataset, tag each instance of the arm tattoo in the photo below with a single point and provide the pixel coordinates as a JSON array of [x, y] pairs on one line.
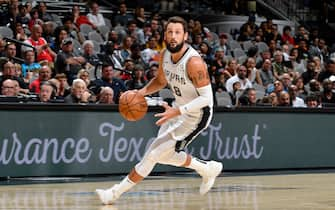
[[201, 75]]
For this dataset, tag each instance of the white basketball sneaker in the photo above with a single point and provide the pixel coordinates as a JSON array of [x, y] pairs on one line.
[[108, 196], [213, 169]]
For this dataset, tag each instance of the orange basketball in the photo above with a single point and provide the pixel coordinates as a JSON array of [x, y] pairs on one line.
[[132, 105]]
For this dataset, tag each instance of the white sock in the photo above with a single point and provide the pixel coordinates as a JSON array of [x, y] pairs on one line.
[[125, 185], [198, 165]]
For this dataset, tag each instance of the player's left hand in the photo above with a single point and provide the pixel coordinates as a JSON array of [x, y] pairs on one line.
[[169, 113]]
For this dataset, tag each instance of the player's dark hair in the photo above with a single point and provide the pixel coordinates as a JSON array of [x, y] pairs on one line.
[[177, 19]]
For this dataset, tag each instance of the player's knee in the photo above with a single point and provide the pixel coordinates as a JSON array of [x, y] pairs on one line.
[[153, 156]]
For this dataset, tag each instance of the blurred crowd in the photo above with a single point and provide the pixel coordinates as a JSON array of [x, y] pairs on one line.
[[86, 57]]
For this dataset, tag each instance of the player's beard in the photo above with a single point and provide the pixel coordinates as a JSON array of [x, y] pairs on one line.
[[176, 48]]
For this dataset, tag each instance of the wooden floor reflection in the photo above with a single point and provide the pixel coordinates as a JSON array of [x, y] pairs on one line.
[[305, 191]]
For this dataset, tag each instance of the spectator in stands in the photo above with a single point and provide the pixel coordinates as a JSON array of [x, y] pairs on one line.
[[217, 66], [56, 84], [253, 73], [251, 23], [197, 29], [89, 54], [79, 93], [284, 99], [248, 98], [136, 55], [274, 99], [246, 34], [295, 99], [20, 33], [223, 43], [327, 95], [10, 52], [314, 86], [44, 75], [287, 37], [2, 47], [125, 48], [44, 52], [206, 52], [241, 76], [128, 72], [72, 30], [30, 67], [160, 40], [231, 68], [49, 33], [147, 31], [259, 36], [122, 18], [107, 80], [22, 17], [85, 76], [43, 14], [95, 17], [112, 55], [273, 34], [296, 62], [286, 53], [35, 19], [197, 41], [278, 87], [320, 49], [236, 93], [114, 38], [61, 33], [278, 65], [300, 34], [10, 88], [140, 16], [332, 79], [266, 74], [286, 80], [64, 89], [18, 71], [210, 38], [9, 72], [310, 72], [329, 71], [152, 72], [135, 32], [265, 54], [29, 7], [150, 51], [303, 48], [79, 19], [319, 67], [48, 92], [138, 79], [157, 27], [312, 101], [67, 62], [301, 90], [220, 83], [105, 96]]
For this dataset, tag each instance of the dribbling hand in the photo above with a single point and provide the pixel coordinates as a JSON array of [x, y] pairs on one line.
[[169, 113]]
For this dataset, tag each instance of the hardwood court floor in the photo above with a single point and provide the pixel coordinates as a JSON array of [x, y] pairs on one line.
[[303, 191]]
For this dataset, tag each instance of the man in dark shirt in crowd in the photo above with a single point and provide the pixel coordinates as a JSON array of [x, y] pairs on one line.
[[67, 62], [8, 69], [107, 80]]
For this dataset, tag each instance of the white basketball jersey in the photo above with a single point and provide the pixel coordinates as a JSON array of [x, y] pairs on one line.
[[178, 80]]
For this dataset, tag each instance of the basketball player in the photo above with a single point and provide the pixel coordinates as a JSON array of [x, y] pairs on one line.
[[182, 68]]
